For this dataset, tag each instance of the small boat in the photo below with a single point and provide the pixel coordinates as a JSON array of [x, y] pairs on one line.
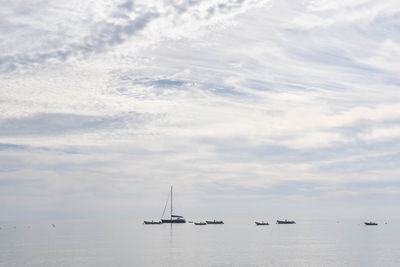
[[370, 223], [152, 222], [214, 222], [190, 221], [173, 218], [262, 223], [200, 223], [285, 222]]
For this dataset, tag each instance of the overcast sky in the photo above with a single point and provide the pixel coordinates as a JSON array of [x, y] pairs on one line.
[[260, 108]]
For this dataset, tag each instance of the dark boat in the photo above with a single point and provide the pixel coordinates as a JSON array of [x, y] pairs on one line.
[[262, 223], [214, 222], [152, 222], [370, 223], [285, 222], [200, 223], [173, 218]]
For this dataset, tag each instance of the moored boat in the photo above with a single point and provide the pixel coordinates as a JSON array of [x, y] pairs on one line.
[[152, 222], [214, 222], [173, 218], [200, 223], [262, 223], [285, 222]]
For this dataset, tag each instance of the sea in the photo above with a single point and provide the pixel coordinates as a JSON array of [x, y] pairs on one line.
[[235, 243]]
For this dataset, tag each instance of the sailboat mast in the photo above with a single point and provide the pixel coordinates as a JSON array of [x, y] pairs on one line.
[[171, 202]]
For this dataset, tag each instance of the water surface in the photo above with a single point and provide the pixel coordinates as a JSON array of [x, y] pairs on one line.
[[130, 243]]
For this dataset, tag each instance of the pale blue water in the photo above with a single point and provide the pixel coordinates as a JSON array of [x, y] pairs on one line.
[[130, 243]]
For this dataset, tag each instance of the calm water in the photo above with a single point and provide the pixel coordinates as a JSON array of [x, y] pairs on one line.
[[130, 243]]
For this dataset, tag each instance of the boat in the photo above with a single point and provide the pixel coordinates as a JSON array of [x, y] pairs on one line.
[[214, 222], [152, 222], [285, 222], [200, 223], [370, 223], [262, 223], [173, 218], [190, 221]]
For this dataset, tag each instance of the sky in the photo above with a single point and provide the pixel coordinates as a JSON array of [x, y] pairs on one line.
[[249, 108]]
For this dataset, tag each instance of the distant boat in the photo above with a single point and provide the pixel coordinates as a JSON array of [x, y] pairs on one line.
[[214, 222], [262, 223], [285, 222], [200, 223], [152, 222], [173, 218], [370, 223], [190, 221]]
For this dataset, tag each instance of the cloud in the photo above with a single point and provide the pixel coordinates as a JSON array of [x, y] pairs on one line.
[[103, 35], [120, 24], [45, 124], [11, 147]]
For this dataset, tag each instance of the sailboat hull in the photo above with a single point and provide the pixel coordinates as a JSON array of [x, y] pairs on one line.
[[285, 222], [173, 221], [152, 222]]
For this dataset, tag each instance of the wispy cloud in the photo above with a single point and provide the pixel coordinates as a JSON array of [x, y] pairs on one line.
[[122, 22], [104, 34], [45, 124]]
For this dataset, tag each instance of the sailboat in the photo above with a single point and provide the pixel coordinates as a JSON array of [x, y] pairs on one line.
[[173, 218]]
